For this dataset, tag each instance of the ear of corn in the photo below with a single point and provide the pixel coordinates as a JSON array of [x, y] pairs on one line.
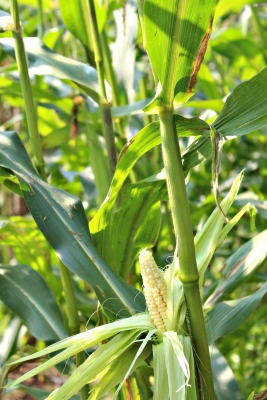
[[155, 289]]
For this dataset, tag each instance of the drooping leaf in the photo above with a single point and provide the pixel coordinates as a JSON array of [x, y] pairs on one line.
[[225, 384], [227, 316], [206, 240], [24, 291], [176, 40], [245, 110], [118, 370], [240, 266], [43, 61], [61, 218]]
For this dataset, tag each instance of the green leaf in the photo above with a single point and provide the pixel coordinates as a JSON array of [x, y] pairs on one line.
[[75, 15], [245, 110], [225, 384], [118, 370], [240, 266], [38, 394], [232, 44], [227, 316], [97, 365], [61, 218], [24, 291], [206, 240], [198, 152], [27, 242], [44, 61], [74, 18], [145, 140], [161, 388], [139, 219], [227, 6], [176, 41]]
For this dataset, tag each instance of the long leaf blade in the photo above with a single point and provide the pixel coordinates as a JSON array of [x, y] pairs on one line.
[[20, 288], [61, 218]]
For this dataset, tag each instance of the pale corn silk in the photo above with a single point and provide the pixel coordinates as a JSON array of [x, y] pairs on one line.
[[155, 289]]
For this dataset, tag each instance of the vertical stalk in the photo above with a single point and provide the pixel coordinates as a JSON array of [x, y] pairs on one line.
[[105, 106], [109, 69], [41, 19], [260, 28], [27, 91], [188, 273], [112, 80], [35, 140], [73, 316]]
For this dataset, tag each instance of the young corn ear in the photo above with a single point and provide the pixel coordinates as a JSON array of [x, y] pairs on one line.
[[155, 289]]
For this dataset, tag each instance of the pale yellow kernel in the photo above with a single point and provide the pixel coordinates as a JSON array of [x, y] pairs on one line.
[[162, 306]]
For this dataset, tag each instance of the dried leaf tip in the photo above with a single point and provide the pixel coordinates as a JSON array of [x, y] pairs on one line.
[[155, 289]]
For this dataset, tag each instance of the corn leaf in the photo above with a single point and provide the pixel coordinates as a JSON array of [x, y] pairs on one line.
[[225, 384], [176, 364], [240, 266], [161, 387], [245, 110], [119, 369], [206, 240], [139, 219], [144, 141], [62, 220], [96, 366], [43, 61], [227, 316], [75, 19], [176, 40], [20, 288], [139, 352], [82, 341]]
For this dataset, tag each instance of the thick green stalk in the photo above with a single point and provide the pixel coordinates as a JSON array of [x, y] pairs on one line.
[[27, 91], [189, 275], [105, 106]]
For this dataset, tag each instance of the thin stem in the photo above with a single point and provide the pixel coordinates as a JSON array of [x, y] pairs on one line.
[[105, 106], [41, 19], [188, 273], [27, 91], [31, 115], [109, 69], [73, 316], [260, 28]]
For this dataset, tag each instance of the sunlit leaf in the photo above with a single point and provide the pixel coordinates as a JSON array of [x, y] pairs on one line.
[[245, 110]]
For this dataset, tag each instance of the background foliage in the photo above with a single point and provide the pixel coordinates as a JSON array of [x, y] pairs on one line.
[[71, 133]]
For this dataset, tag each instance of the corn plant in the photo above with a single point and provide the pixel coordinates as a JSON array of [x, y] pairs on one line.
[[162, 320]]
